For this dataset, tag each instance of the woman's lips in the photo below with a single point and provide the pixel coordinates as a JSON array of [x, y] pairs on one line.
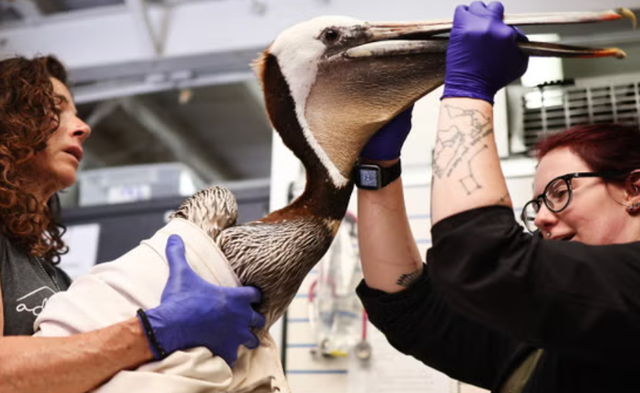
[[75, 151]]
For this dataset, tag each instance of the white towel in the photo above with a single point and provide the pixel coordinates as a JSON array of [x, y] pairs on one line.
[[112, 292]]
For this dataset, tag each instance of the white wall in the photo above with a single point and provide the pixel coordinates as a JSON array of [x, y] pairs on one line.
[[580, 68]]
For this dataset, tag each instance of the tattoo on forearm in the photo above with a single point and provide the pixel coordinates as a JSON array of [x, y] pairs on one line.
[[459, 143], [406, 280]]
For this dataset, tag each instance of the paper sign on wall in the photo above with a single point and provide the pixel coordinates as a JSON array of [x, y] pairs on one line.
[[82, 241]]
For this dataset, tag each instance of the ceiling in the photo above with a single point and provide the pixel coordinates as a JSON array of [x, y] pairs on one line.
[[220, 130]]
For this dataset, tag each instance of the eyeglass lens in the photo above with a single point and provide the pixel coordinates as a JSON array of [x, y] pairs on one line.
[[556, 196]]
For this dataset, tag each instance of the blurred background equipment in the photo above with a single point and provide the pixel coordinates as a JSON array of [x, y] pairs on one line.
[[336, 315], [136, 183]]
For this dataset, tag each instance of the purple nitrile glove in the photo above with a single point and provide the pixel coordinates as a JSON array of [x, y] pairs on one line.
[[482, 56], [387, 142], [195, 313]]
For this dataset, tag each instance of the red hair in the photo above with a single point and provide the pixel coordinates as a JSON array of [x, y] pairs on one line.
[[28, 117], [604, 147]]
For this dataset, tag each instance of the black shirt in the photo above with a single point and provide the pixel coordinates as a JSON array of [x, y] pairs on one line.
[[491, 294], [27, 284]]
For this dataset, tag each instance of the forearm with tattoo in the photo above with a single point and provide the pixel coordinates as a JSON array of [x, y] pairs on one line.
[[461, 138], [466, 166]]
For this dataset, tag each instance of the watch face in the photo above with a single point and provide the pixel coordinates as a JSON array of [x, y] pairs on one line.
[[369, 178]]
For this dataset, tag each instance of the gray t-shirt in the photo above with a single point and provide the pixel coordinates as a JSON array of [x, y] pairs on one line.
[[27, 283]]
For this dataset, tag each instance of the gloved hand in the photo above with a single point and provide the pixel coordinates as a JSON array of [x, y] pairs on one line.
[[482, 56], [195, 313], [387, 142]]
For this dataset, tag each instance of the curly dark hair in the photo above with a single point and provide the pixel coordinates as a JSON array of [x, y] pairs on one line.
[[28, 117]]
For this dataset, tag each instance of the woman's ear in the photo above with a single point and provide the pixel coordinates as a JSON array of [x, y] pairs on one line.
[[632, 191]]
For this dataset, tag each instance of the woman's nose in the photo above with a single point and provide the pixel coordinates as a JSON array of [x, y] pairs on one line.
[[81, 130], [545, 218]]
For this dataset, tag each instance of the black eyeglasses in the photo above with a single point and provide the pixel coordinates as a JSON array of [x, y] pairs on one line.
[[557, 195]]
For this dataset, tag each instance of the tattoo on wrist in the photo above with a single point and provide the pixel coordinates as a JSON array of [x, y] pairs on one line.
[[407, 279], [505, 199], [459, 142]]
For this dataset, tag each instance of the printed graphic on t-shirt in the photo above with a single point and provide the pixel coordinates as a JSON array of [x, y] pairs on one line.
[[34, 301]]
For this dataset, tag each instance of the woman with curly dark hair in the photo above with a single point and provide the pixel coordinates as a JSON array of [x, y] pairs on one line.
[[29, 118], [40, 150], [41, 141]]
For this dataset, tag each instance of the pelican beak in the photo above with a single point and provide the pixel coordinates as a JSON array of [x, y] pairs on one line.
[[392, 39], [383, 68]]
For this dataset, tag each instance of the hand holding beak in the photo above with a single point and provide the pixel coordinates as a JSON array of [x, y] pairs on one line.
[[483, 55]]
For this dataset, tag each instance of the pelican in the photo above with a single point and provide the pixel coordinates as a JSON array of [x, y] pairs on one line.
[[329, 84]]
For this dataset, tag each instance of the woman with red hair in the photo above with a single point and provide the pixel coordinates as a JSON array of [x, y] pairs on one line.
[[41, 141], [589, 156], [494, 306]]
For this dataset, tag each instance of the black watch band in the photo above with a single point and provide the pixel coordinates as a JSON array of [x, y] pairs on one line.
[[374, 176]]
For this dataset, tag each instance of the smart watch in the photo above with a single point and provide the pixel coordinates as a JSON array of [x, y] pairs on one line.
[[375, 177]]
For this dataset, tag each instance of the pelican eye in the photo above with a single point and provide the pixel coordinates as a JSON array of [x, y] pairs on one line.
[[330, 35]]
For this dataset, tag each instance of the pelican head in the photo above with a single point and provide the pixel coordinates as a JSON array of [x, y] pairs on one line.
[[331, 82]]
